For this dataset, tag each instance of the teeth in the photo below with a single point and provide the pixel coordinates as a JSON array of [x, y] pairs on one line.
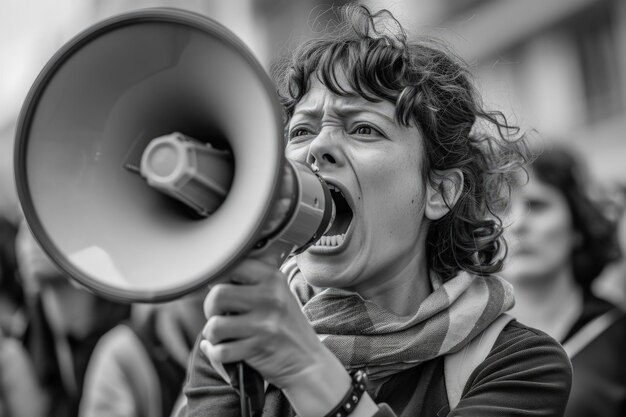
[[335, 240], [333, 188]]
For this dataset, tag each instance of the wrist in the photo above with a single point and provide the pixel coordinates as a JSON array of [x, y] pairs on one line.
[[322, 389], [366, 407], [318, 389]]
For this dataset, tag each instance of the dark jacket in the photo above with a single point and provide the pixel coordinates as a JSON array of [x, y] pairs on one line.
[[526, 374], [599, 384]]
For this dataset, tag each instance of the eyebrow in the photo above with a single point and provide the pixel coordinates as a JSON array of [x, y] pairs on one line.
[[343, 111]]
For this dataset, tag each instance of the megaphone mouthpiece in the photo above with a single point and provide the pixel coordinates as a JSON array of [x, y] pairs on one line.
[[200, 176], [303, 211], [188, 170]]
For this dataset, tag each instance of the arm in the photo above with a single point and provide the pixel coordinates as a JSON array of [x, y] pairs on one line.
[[526, 374], [208, 395], [270, 333]]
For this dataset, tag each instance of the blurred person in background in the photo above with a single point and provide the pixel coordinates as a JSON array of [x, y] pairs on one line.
[[138, 368], [560, 241], [67, 321], [13, 316], [611, 284], [20, 393]]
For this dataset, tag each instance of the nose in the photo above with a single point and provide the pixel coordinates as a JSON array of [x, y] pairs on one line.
[[518, 217], [324, 151]]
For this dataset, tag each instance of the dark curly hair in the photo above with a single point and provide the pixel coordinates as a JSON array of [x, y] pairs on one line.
[[561, 169], [433, 90]]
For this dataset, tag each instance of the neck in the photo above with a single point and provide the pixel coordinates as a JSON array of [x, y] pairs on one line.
[[400, 288], [551, 304]]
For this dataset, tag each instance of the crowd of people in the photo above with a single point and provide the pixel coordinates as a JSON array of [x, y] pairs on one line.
[[453, 230]]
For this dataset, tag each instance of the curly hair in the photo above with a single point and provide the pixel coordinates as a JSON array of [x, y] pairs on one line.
[[433, 90], [561, 169]]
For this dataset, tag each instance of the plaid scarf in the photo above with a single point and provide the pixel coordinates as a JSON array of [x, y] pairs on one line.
[[364, 335]]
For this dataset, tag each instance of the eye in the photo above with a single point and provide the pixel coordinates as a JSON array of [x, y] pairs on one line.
[[299, 132], [364, 129], [536, 205]]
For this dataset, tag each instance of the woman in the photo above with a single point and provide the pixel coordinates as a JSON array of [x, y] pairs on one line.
[[561, 244], [403, 277]]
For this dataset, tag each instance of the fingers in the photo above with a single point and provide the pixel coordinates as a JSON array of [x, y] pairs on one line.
[[253, 271], [260, 284], [228, 299], [247, 321], [219, 329], [230, 352]]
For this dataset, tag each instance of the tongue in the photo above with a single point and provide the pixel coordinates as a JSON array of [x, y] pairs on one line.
[[332, 216]]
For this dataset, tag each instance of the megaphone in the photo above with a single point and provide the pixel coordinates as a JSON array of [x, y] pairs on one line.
[[180, 94], [149, 159]]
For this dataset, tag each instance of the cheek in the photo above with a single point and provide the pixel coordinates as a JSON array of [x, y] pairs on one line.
[[396, 202], [555, 237], [391, 169], [297, 152]]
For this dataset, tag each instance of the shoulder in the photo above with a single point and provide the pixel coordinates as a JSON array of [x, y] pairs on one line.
[[524, 347], [525, 370], [593, 307], [516, 334], [119, 341], [120, 354], [599, 386], [120, 378]]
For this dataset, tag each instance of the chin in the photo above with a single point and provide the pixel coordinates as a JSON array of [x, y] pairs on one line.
[[523, 275], [322, 272]]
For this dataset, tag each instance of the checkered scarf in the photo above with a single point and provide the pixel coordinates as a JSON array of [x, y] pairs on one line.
[[364, 335]]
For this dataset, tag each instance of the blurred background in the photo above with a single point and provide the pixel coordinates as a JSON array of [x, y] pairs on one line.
[[558, 66]]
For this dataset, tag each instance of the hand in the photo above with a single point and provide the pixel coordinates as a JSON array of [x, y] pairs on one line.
[[268, 331]]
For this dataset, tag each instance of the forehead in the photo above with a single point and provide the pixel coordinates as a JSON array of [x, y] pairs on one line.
[[536, 189], [536, 186], [319, 99]]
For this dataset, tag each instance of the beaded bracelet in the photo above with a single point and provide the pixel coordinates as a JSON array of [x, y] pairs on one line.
[[349, 402]]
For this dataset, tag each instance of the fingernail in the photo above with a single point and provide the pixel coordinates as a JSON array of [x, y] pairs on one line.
[[204, 345]]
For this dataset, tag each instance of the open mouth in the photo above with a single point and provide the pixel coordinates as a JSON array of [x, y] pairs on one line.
[[336, 233]]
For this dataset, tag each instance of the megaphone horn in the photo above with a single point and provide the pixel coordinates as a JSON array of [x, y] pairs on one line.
[[149, 159]]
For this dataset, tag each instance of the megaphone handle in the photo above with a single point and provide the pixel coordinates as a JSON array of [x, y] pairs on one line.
[[249, 383], [246, 380], [251, 387]]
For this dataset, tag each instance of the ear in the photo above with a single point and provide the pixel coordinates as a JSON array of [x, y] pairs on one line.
[[444, 187]]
